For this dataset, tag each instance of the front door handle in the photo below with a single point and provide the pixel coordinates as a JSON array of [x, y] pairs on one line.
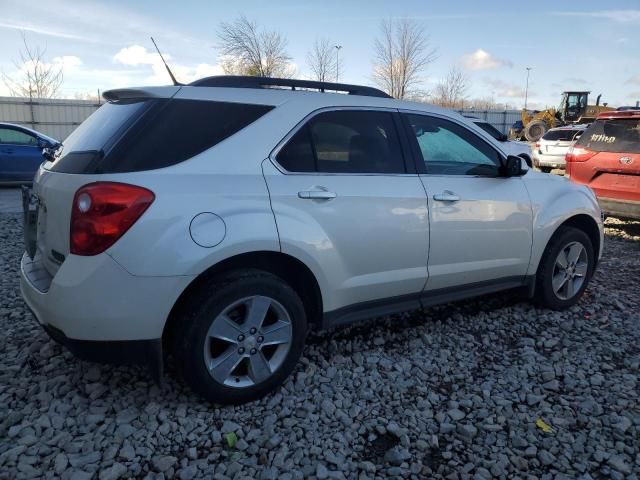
[[446, 196], [317, 194]]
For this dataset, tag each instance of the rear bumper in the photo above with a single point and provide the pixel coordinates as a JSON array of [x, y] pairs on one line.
[[132, 352], [620, 208], [95, 299], [552, 161]]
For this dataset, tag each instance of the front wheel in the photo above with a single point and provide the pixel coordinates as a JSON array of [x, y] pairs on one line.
[[243, 338], [545, 169], [565, 269]]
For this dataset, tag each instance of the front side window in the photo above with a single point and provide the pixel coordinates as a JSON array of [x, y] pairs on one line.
[[450, 149], [344, 141], [16, 137]]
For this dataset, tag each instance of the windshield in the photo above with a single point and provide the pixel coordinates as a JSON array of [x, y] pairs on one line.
[[491, 130]]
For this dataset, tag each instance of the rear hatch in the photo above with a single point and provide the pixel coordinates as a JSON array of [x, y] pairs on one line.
[[135, 131], [557, 141], [607, 157]]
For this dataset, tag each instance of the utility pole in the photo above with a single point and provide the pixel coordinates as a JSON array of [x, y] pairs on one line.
[[526, 90], [338, 47]]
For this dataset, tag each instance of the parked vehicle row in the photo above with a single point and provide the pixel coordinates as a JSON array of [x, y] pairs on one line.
[[21, 153], [223, 220]]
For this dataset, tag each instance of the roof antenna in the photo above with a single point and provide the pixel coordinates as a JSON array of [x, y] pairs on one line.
[[173, 79]]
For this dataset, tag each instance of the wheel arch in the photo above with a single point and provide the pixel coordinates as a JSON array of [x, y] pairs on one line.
[[293, 271]]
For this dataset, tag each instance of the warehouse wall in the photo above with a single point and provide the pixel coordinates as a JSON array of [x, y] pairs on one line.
[[56, 118]]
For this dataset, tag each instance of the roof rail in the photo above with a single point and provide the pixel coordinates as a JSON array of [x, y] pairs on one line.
[[239, 81]]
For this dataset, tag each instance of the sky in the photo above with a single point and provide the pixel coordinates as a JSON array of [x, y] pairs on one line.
[[570, 45]]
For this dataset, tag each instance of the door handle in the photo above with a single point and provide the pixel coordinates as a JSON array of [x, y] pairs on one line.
[[317, 195], [446, 196]]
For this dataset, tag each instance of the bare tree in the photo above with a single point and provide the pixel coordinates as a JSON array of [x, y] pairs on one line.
[[451, 91], [401, 54], [322, 61], [35, 77], [248, 50]]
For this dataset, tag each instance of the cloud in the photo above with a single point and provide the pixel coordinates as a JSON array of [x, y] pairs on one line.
[[483, 60], [619, 16], [68, 62], [41, 30], [139, 56], [504, 89], [634, 80]]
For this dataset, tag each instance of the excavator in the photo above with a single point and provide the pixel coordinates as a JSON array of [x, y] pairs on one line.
[[574, 108]]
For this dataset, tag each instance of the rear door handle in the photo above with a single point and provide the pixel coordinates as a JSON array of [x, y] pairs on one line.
[[317, 194], [446, 196]]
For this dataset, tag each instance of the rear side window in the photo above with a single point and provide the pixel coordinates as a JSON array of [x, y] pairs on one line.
[[344, 141], [562, 135], [150, 134], [619, 135]]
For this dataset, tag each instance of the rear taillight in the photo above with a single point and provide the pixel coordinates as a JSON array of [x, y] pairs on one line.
[[102, 212], [579, 154], [538, 146]]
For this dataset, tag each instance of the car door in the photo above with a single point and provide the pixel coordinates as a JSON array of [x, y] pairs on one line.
[[20, 154], [346, 205], [480, 222]]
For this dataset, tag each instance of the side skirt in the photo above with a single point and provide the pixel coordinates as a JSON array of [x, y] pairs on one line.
[[388, 306]]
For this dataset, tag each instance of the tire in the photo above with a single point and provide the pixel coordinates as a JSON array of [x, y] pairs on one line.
[[545, 169], [546, 293], [236, 295], [535, 130]]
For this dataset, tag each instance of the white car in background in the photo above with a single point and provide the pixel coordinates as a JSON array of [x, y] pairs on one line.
[[512, 147], [550, 150]]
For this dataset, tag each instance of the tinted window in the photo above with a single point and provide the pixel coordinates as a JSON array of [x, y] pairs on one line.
[[297, 154], [343, 141], [491, 130], [150, 134], [16, 137], [561, 135], [450, 149], [620, 135]]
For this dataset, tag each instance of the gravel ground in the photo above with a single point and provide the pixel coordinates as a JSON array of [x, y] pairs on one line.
[[459, 391]]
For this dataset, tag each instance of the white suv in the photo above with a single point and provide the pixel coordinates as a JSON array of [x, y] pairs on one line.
[[222, 220]]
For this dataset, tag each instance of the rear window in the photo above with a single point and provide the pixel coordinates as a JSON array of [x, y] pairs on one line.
[[619, 135], [152, 133], [562, 135]]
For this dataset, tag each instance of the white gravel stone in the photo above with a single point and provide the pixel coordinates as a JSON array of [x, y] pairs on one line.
[[450, 392]]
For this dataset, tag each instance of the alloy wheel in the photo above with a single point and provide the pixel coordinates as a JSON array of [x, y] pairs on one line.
[[570, 270], [248, 341]]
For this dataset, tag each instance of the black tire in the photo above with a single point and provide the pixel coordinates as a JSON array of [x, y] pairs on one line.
[[535, 130], [208, 303], [545, 169], [544, 293]]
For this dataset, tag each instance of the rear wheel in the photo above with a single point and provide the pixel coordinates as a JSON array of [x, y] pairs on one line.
[[545, 169], [243, 338], [535, 130], [565, 269]]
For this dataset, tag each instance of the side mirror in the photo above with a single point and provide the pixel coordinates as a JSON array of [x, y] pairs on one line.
[[503, 138], [512, 166]]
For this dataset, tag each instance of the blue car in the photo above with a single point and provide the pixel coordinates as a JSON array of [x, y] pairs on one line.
[[22, 150]]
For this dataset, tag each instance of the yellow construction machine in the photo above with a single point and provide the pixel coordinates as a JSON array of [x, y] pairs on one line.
[[574, 108]]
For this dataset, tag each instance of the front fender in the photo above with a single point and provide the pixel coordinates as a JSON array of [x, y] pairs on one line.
[[553, 203]]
